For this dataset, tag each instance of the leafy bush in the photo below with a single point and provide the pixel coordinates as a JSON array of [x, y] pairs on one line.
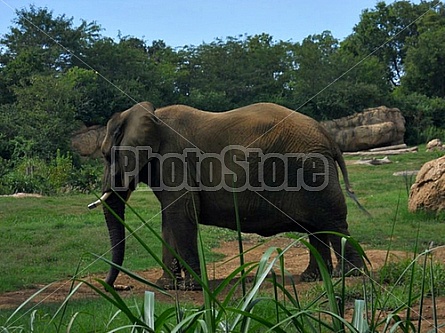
[[60, 170], [398, 274], [16, 181], [423, 114], [5, 166], [34, 175], [86, 178], [30, 175]]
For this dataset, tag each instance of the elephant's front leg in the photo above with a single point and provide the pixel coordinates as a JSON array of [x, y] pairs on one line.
[[321, 244], [181, 234]]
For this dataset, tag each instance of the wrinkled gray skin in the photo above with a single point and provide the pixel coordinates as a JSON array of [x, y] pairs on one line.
[[173, 128]]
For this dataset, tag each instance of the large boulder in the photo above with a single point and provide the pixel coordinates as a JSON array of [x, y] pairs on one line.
[[428, 192], [375, 127], [88, 140], [435, 145]]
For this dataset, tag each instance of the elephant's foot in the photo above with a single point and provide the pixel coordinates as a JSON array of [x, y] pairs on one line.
[[312, 272], [350, 269], [187, 284], [310, 275], [168, 283]]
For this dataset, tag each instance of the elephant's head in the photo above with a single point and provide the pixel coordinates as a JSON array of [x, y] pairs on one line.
[[124, 148]]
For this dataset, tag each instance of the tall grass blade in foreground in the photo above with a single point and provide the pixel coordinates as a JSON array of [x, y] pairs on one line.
[[240, 240], [359, 320], [149, 309], [15, 317]]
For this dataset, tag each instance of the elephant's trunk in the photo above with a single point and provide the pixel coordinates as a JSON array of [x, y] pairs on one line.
[[116, 232]]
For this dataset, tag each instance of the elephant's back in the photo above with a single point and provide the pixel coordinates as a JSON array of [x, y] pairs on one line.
[[262, 125], [254, 113], [274, 128], [264, 113]]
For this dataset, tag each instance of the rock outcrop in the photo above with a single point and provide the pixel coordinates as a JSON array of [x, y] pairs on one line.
[[435, 145], [376, 127], [88, 140], [428, 192]]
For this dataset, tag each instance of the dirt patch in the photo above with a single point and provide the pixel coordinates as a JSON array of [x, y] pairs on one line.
[[296, 260]]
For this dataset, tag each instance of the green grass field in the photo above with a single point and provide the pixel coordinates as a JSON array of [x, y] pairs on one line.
[[46, 239], [386, 198]]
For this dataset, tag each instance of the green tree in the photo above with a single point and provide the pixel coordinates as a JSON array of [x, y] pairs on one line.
[[40, 43], [237, 71], [8, 130], [385, 32], [45, 113], [84, 98], [119, 67], [425, 59], [314, 71], [129, 71], [330, 82], [421, 95]]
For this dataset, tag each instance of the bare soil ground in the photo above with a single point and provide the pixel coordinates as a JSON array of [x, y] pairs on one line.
[[296, 260]]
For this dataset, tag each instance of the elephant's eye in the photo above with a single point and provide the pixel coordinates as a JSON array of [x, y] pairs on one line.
[[107, 156], [117, 133]]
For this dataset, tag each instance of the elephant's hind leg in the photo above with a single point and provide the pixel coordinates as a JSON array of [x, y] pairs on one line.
[[172, 277], [352, 262], [180, 233], [321, 243]]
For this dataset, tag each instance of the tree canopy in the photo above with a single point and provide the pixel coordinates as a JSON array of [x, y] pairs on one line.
[[56, 76]]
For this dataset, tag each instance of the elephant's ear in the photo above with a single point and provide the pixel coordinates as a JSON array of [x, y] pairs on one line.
[[139, 127]]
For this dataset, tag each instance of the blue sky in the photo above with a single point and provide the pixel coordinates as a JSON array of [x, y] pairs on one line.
[[192, 22]]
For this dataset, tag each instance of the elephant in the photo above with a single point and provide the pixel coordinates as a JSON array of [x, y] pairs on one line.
[[279, 165]]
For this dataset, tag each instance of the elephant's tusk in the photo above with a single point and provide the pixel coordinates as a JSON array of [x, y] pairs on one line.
[[99, 201]]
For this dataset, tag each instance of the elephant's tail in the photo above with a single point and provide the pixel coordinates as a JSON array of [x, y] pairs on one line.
[[344, 171]]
